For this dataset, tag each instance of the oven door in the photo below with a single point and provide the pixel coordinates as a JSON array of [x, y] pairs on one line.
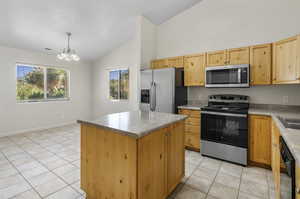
[[225, 128], [227, 76]]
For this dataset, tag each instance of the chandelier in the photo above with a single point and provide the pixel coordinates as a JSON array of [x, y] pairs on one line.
[[68, 54]]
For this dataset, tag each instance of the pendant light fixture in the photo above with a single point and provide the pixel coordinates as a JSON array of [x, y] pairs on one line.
[[68, 54]]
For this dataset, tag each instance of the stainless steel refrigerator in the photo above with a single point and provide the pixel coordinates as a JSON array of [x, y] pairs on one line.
[[162, 90]]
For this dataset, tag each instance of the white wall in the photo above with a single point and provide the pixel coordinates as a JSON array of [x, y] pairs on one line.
[[215, 25], [21, 117], [148, 42], [128, 55], [125, 56]]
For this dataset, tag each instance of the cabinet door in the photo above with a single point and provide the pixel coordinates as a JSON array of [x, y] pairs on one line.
[[286, 61], [159, 63], [276, 159], [175, 155], [194, 69], [260, 139], [238, 56], [216, 58], [261, 64], [152, 161], [297, 181], [176, 62]]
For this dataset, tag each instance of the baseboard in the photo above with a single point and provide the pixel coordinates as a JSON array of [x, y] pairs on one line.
[[36, 129]]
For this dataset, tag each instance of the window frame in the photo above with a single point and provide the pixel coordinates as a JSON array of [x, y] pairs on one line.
[[45, 98], [108, 75]]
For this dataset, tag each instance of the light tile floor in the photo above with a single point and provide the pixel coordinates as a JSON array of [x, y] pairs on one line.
[[46, 164]]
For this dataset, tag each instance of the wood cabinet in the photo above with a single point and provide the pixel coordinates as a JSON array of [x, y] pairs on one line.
[[237, 56], [260, 139], [176, 160], [286, 64], [276, 159], [152, 163], [216, 58], [261, 64], [232, 56], [194, 70], [192, 129], [297, 181], [115, 165], [176, 62]]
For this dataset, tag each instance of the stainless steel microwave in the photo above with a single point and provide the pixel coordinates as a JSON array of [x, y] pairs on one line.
[[227, 76]]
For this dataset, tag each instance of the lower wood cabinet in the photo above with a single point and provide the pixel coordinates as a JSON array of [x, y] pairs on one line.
[[192, 129], [122, 167], [161, 162], [297, 181], [260, 139], [276, 159]]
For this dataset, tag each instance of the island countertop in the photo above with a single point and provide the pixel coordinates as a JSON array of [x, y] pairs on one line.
[[135, 123]]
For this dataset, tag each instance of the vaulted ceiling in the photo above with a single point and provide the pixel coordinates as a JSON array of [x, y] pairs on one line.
[[98, 26]]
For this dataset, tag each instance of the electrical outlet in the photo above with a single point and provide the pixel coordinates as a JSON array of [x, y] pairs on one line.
[[285, 100]]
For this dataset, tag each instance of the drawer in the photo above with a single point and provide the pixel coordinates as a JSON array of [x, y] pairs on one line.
[[192, 140], [184, 111], [194, 113], [192, 129], [193, 121]]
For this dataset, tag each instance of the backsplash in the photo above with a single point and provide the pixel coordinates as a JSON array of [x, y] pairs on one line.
[[273, 94]]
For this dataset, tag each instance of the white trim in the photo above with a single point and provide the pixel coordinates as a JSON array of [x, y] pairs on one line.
[[36, 129]]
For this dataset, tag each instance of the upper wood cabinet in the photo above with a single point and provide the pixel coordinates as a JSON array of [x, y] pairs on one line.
[[260, 139], [194, 69], [216, 58], [286, 64], [229, 57], [176, 62], [159, 63], [238, 56], [261, 64]]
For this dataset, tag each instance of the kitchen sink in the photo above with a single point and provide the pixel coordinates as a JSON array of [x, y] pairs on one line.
[[290, 123]]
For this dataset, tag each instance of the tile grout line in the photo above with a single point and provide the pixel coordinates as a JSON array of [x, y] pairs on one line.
[[22, 177], [19, 146], [214, 180]]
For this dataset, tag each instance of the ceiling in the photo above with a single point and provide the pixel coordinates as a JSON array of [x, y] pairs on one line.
[[98, 26]]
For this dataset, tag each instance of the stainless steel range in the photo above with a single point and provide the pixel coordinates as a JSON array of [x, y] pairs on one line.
[[224, 128]]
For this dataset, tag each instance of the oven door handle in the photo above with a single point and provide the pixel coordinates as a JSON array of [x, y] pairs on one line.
[[224, 114]]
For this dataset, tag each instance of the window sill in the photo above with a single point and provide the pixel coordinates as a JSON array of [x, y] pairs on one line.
[[43, 101]]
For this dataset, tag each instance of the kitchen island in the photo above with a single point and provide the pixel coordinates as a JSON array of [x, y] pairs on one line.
[[132, 155]]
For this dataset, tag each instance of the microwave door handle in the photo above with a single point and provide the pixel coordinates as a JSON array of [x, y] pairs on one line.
[[239, 75]]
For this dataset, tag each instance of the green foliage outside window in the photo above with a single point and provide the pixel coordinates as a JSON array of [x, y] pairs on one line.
[[31, 84]]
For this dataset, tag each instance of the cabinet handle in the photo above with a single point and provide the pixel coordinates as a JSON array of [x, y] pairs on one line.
[[160, 156], [298, 190]]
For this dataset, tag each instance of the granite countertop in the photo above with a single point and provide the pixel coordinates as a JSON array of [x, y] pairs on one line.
[[135, 123], [291, 136], [192, 106]]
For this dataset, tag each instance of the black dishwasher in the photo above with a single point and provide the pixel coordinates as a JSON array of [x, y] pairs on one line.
[[287, 185]]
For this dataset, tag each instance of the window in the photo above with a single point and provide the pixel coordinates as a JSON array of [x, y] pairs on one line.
[[38, 83], [119, 84]]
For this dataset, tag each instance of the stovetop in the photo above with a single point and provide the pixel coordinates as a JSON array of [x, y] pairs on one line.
[[228, 103]]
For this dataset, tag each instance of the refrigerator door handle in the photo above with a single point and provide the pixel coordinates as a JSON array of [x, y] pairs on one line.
[[153, 96]]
